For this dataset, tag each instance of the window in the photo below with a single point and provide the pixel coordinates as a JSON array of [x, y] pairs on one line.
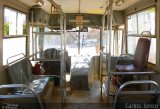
[[137, 23], [14, 23], [13, 46], [146, 21], [142, 21], [89, 42], [14, 26], [106, 42], [116, 42], [31, 39], [120, 33], [132, 24]]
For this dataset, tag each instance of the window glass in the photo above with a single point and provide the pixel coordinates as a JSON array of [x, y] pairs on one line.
[[50, 41], [21, 25], [72, 43], [89, 42], [132, 24], [152, 53], [13, 46], [120, 33], [146, 21], [35, 29], [9, 22], [14, 23], [113, 43]]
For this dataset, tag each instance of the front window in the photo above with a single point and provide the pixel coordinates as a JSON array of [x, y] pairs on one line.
[[88, 42]]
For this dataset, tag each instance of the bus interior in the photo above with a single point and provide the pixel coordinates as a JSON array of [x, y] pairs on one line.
[[79, 54]]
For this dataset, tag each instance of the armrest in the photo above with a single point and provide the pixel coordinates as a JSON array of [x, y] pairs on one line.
[[27, 86], [133, 73], [40, 76], [14, 86]]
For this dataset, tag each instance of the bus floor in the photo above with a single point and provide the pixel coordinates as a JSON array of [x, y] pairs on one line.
[[81, 99]]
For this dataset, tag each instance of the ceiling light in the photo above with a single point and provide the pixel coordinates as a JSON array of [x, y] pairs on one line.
[[40, 2]]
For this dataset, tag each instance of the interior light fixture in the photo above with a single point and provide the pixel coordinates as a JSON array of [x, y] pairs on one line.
[[40, 2]]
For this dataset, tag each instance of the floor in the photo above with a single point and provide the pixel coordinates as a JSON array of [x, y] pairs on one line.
[[81, 99]]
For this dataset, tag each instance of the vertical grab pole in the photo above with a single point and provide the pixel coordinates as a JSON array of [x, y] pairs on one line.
[[36, 46], [64, 74], [32, 38], [79, 41], [65, 32], [101, 55], [61, 61], [109, 56], [108, 12]]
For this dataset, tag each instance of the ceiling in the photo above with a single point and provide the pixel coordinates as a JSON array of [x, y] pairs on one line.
[[86, 6]]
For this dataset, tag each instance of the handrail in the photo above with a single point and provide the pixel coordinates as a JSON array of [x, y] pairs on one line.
[[104, 53], [148, 32], [15, 59], [18, 86], [133, 73], [135, 82], [47, 76]]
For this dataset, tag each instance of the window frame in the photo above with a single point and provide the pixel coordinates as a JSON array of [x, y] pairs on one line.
[[17, 11]]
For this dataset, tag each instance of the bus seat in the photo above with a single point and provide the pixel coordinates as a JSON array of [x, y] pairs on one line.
[[139, 62], [20, 100], [20, 72], [140, 57], [51, 53], [137, 99], [53, 66]]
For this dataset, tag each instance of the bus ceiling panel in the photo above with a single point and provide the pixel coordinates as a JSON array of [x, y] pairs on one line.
[[40, 17], [82, 6]]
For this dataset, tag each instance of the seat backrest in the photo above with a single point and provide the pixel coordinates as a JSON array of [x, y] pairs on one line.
[[141, 53], [20, 71], [51, 53]]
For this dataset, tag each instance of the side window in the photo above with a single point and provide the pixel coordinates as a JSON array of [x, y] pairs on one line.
[[14, 40], [138, 22]]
